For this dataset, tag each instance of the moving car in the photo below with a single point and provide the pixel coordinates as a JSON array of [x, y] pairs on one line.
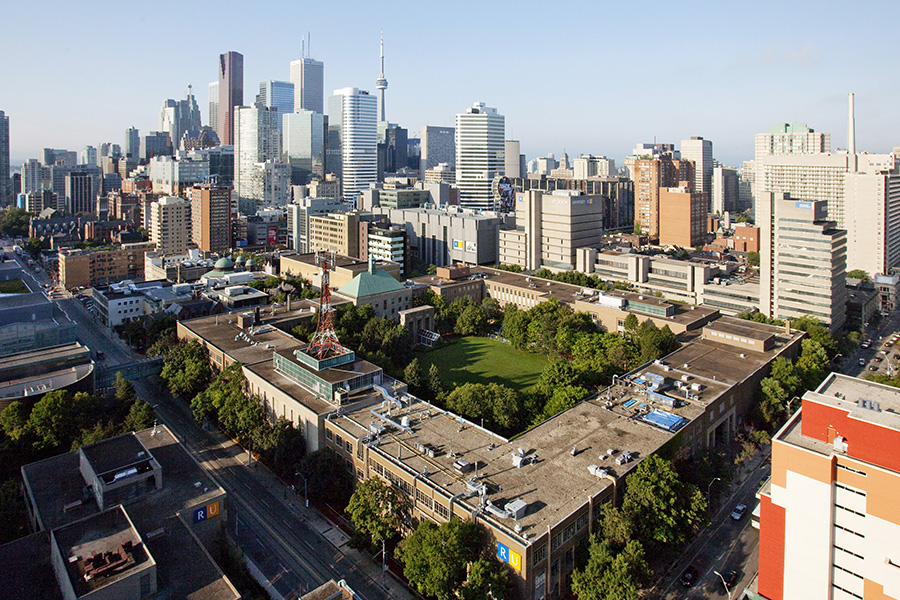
[[738, 513], [689, 577]]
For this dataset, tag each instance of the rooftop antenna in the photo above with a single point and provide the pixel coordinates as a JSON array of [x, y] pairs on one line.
[[302, 47], [325, 341]]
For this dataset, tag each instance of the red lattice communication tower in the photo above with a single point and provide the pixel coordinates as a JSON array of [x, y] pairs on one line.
[[325, 342]]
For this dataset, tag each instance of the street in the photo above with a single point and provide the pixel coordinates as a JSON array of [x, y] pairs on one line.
[[725, 545]]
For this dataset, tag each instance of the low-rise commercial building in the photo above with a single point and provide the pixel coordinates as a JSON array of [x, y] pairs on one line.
[[345, 268]]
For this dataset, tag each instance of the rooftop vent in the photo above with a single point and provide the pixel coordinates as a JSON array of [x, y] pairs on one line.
[[840, 444], [873, 405]]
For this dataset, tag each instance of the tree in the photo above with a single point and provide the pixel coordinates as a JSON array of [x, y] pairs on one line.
[[14, 222], [33, 247], [563, 398], [435, 558], [609, 575], [186, 370], [14, 420], [376, 510], [140, 416], [472, 321], [413, 374], [813, 363], [125, 393], [435, 384], [488, 579], [12, 512], [662, 509], [497, 404], [58, 418], [326, 477], [858, 274], [753, 259]]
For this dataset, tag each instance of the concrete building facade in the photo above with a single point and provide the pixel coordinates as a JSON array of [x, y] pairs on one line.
[[480, 147], [682, 217], [170, 225]]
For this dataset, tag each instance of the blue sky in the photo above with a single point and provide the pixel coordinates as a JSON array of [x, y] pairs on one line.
[[587, 77]]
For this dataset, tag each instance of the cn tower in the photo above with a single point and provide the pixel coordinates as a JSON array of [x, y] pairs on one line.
[[381, 83]]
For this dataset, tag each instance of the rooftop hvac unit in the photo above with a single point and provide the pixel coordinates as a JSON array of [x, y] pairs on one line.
[[516, 508], [404, 421], [463, 466]]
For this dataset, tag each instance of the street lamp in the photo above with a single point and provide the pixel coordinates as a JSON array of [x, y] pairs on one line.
[[791, 401], [709, 490], [727, 591], [305, 488]]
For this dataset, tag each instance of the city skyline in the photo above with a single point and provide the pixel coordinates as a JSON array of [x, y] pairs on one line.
[[757, 75]]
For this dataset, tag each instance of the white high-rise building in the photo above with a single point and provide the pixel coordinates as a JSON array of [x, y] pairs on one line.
[[303, 144], [277, 94], [700, 151], [33, 176], [791, 138], [588, 165], [170, 224], [480, 154], [308, 77], [214, 106], [352, 116], [256, 140]]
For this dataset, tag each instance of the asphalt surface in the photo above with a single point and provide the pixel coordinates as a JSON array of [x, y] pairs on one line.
[[878, 335], [725, 545]]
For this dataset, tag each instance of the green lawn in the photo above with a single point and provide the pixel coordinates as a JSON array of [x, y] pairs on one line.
[[13, 286], [484, 360]]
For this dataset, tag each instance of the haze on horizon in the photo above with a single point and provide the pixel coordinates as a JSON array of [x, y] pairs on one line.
[[582, 78]]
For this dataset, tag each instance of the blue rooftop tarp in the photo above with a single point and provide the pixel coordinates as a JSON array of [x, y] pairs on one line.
[[664, 420]]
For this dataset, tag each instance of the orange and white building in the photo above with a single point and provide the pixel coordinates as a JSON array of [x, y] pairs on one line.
[[829, 518]]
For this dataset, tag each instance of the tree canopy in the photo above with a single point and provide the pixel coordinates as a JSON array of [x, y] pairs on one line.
[[376, 509], [186, 369]]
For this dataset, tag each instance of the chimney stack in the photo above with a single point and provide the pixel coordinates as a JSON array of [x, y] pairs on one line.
[[851, 129]]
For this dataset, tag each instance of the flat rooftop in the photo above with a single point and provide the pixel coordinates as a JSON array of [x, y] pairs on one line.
[[742, 327], [554, 483], [112, 539], [57, 486], [25, 569], [222, 332], [114, 454]]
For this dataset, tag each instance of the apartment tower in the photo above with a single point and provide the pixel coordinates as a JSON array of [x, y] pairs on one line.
[[211, 218], [170, 225]]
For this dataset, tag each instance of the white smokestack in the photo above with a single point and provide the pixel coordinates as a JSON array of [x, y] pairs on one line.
[[851, 129]]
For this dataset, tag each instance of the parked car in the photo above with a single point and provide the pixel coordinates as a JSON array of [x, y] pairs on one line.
[[878, 359], [730, 577], [862, 362], [873, 367], [865, 345], [689, 577], [738, 513]]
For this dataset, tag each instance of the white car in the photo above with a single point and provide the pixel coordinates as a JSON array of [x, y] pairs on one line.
[[738, 513]]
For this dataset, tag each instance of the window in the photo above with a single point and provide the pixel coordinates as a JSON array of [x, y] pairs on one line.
[[347, 446], [423, 499], [329, 435], [338, 441], [442, 510], [540, 555]]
